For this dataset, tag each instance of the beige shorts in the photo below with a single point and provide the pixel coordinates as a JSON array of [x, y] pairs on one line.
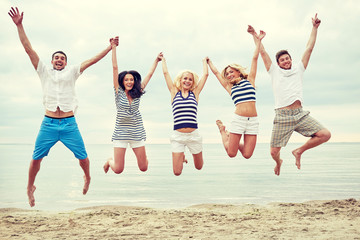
[[289, 120], [181, 140]]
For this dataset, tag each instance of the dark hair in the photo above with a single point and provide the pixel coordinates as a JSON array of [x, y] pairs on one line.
[[136, 91], [61, 52], [280, 53]]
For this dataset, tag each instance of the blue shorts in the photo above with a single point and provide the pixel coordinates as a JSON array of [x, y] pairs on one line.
[[53, 130]]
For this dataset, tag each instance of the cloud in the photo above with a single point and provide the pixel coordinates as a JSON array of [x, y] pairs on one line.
[[186, 31]]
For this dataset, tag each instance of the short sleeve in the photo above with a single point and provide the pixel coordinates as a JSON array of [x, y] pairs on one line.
[[76, 71]]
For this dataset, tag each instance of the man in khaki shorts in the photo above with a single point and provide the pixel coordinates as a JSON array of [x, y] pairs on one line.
[[287, 87]]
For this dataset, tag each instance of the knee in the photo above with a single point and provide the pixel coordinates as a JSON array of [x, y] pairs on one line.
[[247, 155], [118, 170], [35, 163], [274, 153], [232, 154], [177, 172], [84, 162], [199, 166], [326, 135], [143, 168]]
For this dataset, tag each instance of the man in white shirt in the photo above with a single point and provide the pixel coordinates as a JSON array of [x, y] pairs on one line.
[[287, 87], [60, 103]]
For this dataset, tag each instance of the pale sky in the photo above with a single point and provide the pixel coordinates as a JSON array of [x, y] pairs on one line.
[[185, 31]]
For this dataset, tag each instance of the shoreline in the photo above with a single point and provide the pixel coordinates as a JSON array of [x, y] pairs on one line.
[[319, 219]]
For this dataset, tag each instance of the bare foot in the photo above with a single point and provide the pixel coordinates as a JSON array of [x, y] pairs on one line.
[[86, 184], [185, 160], [277, 167], [220, 125], [297, 156], [30, 193], [107, 165]]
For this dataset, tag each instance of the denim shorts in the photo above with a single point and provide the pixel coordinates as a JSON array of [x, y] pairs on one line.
[[64, 130]]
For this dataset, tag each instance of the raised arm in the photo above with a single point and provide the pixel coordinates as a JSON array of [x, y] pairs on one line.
[[113, 43], [311, 43], [203, 79], [264, 55], [151, 71], [168, 80], [84, 65], [17, 19], [253, 69], [217, 74]]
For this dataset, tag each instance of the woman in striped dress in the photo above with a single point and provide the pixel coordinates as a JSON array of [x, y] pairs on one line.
[[129, 127], [241, 87], [185, 91]]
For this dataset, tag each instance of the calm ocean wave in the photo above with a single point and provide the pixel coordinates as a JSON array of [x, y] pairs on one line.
[[331, 171]]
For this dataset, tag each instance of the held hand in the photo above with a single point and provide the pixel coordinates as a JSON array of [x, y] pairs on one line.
[[159, 57], [251, 30], [261, 35], [114, 42], [16, 16], [315, 21], [207, 59]]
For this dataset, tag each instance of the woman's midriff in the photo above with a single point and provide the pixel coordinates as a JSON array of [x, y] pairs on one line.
[[246, 109], [186, 130]]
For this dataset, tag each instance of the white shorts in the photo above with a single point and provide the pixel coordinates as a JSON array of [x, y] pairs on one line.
[[124, 143], [244, 125], [191, 140]]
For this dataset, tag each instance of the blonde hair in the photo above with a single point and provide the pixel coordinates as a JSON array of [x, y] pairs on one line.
[[237, 67], [177, 80]]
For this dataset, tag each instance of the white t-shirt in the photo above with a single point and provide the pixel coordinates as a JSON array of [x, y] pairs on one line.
[[287, 84], [59, 87]]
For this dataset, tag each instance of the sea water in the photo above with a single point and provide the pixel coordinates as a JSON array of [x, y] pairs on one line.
[[330, 171]]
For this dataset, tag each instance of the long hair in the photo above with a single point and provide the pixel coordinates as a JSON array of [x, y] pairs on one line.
[[177, 80], [136, 91], [237, 67]]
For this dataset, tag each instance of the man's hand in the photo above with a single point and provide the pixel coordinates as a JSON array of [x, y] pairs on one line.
[[315, 21], [16, 16]]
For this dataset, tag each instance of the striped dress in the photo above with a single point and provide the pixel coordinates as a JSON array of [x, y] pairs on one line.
[[185, 111], [129, 124], [243, 92]]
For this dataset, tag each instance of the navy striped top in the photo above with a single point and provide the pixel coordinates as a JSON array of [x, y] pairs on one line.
[[185, 111], [243, 92], [129, 124]]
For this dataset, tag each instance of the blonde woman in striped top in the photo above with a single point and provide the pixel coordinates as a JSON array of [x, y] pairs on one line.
[[185, 91], [241, 88]]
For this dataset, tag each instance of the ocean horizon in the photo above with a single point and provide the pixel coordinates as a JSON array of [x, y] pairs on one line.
[[330, 171]]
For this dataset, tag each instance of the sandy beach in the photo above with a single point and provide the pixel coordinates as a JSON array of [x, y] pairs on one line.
[[336, 219]]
